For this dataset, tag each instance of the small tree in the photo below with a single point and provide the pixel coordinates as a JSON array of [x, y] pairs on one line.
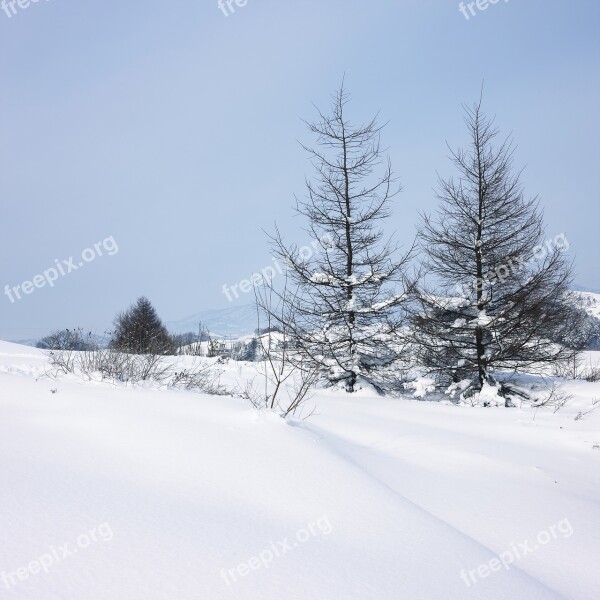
[[287, 377], [501, 293], [140, 331]]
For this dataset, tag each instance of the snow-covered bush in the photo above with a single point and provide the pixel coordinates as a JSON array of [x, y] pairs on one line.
[[203, 378], [67, 339]]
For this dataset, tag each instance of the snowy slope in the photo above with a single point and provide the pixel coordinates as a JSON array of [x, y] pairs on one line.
[[591, 303], [172, 495]]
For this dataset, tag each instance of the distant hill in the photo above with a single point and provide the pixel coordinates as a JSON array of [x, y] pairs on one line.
[[29, 342], [233, 321], [582, 288], [591, 303], [239, 321]]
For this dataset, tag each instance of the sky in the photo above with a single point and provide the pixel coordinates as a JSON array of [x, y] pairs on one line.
[[156, 142]]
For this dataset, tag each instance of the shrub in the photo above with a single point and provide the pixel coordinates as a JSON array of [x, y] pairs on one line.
[[66, 339]]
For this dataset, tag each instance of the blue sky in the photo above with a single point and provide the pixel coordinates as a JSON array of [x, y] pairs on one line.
[[172, 129]]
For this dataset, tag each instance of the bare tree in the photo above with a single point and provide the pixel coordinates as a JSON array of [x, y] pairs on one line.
[[287, 377], [346, 311], [501, 293]]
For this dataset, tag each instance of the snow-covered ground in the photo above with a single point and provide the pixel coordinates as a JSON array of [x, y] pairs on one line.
[[591, 303], [114, 492]]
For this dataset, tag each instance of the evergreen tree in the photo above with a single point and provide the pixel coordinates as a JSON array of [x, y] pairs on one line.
[[140, 331], [501, 287], [344, 305]]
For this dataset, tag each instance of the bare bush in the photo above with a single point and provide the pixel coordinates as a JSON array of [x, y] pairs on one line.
[[273, 395], [107, 364], [554, 398], [193, 349], [67, 339], [63, 360], [593, 372], [582, 413], [576, 369], [286, 375], [202, 378]]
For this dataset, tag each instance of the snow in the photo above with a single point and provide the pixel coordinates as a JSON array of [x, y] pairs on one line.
[[460, 386], [421, 386], [488, 396], [320, 278], [482, 319], [591, 302], [172, 495]]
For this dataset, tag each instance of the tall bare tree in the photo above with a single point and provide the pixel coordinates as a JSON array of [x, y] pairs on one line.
[[501, 285], [346, 308]]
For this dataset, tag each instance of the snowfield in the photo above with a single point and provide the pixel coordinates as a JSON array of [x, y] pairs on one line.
[[143, 493]]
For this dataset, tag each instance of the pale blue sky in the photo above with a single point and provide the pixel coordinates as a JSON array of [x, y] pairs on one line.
[[173, 129]]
